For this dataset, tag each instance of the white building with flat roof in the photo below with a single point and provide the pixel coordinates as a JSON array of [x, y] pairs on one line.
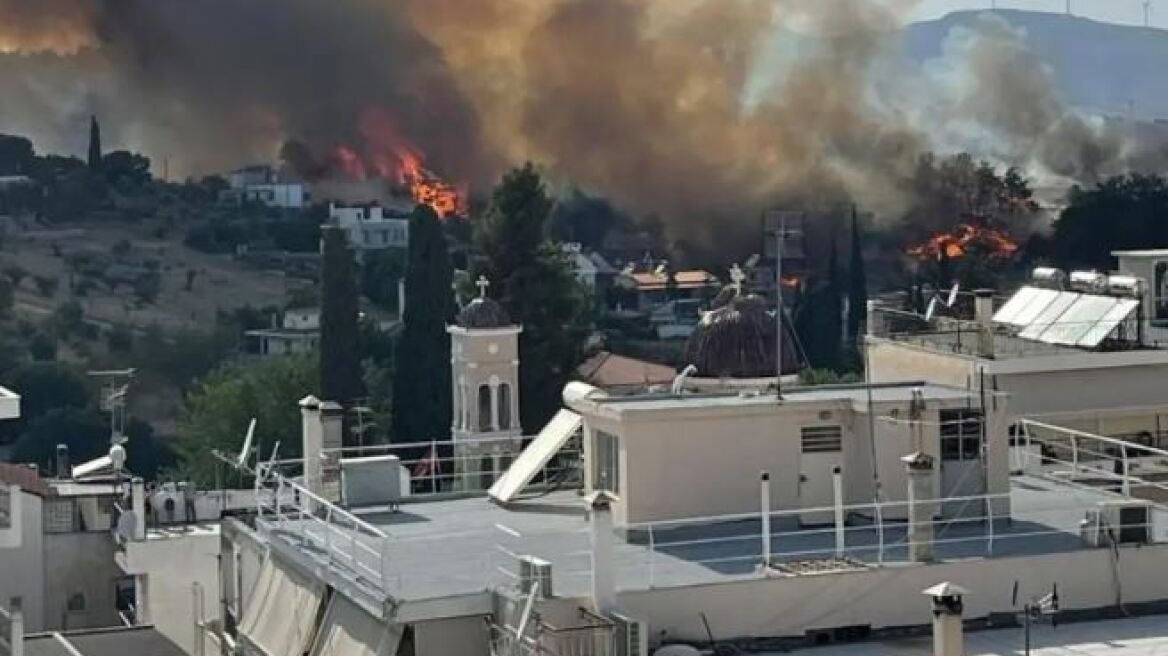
[[372, 227]]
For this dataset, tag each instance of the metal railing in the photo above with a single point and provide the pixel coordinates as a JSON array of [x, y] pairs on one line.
[[1129, 468], [708, 549], [436, 468], [346, 540]]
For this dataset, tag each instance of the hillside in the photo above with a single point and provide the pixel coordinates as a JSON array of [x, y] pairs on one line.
[[1099, 67]]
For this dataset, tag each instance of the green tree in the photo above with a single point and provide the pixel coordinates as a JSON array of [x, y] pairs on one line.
[[380, 272], [1122, 212], [42, 346], [857, 285], [340, 364], [16, 155], [216, 413], [537, 288], [95, 159], [421, 389]]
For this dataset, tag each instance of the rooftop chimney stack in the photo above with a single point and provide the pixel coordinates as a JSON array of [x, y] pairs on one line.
[[312, 440], [920, 506], [332, 440], [64, 469], [984, 315], [603, 562], [948, 632]]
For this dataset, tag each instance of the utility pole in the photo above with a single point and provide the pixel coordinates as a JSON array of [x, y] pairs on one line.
[[781, 235]]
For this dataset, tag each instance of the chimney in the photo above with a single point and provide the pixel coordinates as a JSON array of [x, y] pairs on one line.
[[138, 505], [984, 315], [312, 441], [332, 439], [64, 469], [16, 627], [603, 562], [919, 467], [948, 633]]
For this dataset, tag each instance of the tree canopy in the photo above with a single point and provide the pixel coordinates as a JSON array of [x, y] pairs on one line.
[[421, 390], [537, 288], [1123, 212], [216, 413]]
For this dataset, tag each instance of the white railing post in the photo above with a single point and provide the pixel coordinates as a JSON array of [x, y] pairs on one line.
[[765, 503], [989, 525], [1074, 457], [652, 557], [328, 531], [880, 533], [434, 465], [1126, 471], [837, 488]]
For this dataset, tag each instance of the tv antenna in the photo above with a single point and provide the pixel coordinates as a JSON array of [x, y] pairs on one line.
[[1037, 611], [115, 387], [948, 301], [782, 233]]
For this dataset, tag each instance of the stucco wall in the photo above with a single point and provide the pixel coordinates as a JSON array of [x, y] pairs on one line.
[[891, 596], [22, 567], [80, 563], [460, 636], [891, 362], [173, 565]]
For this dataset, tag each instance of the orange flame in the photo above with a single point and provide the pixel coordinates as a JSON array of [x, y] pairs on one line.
[[390, 157], [791, 282], [955, 244]]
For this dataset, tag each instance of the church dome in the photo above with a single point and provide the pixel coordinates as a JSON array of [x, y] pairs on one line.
[[737, 340], [483, 312]]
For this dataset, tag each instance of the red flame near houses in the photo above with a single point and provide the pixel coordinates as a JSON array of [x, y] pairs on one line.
[[389, 156], [957, 243]]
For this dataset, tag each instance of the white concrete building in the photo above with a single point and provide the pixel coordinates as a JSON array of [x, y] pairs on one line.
[[372, 227], [298, 332], [261, 184]]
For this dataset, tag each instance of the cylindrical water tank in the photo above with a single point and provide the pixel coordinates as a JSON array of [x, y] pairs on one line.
[[1125, 286], [1049, 277], [1088, 282]]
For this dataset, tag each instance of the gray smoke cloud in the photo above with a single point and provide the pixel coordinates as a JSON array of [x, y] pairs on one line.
[[703, 112]]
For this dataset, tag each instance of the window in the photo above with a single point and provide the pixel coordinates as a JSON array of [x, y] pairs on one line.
[[822, 439], [961, 434], [59, 516], [5, 508], [504, 407], [484, 408], [606, 475]]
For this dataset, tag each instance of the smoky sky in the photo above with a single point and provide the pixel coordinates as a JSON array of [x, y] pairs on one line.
[[701, 112]]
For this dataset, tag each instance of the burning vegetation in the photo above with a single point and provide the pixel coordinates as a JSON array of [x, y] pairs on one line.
[[963, 238]]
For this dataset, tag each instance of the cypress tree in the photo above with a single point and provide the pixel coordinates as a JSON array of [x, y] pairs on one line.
[[421, 387], [94, 145], [340, 366], [857, 285]]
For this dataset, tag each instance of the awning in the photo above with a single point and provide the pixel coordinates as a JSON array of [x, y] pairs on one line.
[[536, 456], [348, 630], [280, 618]]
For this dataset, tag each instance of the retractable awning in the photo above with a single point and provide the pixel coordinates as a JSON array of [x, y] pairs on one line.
[[536, 456], [280, 618], [348, 630]]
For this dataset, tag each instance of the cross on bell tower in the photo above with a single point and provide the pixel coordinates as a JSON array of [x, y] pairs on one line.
[[484, 349], [737, 277]]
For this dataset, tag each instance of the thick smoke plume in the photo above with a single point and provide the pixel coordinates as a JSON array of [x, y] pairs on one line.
[[703, 112]]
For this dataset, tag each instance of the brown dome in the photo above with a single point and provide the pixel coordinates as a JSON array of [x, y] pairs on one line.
[[483, 313], [737, 340]]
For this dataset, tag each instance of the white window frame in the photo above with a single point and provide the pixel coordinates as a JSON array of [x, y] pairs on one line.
[[606, 456]]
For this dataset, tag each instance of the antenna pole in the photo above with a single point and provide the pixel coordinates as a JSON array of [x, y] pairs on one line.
[[780, 237]]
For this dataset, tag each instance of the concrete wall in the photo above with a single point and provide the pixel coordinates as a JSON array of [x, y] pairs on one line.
[[22, 565], [890, 596], [1134, 391], [694, 464], [173, 565], [460, 636], [80, 563], [891, 362]]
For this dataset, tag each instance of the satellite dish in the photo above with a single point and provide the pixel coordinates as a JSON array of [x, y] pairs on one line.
[[243, 453], [953, 295], [117, 456], [932, 309]]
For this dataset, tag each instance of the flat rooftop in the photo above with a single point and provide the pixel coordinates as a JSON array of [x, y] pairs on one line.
[[857, 394], [448, 548], [1134, 636]]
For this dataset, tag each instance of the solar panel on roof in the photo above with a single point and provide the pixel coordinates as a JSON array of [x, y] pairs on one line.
[[1036, 301], [1109, 322], [1024, 297], [1049, 315], [1087, 311]]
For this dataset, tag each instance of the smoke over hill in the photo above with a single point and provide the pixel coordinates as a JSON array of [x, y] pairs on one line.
[[703, 112]]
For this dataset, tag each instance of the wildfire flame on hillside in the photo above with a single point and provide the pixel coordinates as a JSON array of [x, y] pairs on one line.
[[391, 157], [955, 244]]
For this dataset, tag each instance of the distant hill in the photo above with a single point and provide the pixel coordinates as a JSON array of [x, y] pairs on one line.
[[1098, 67]]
